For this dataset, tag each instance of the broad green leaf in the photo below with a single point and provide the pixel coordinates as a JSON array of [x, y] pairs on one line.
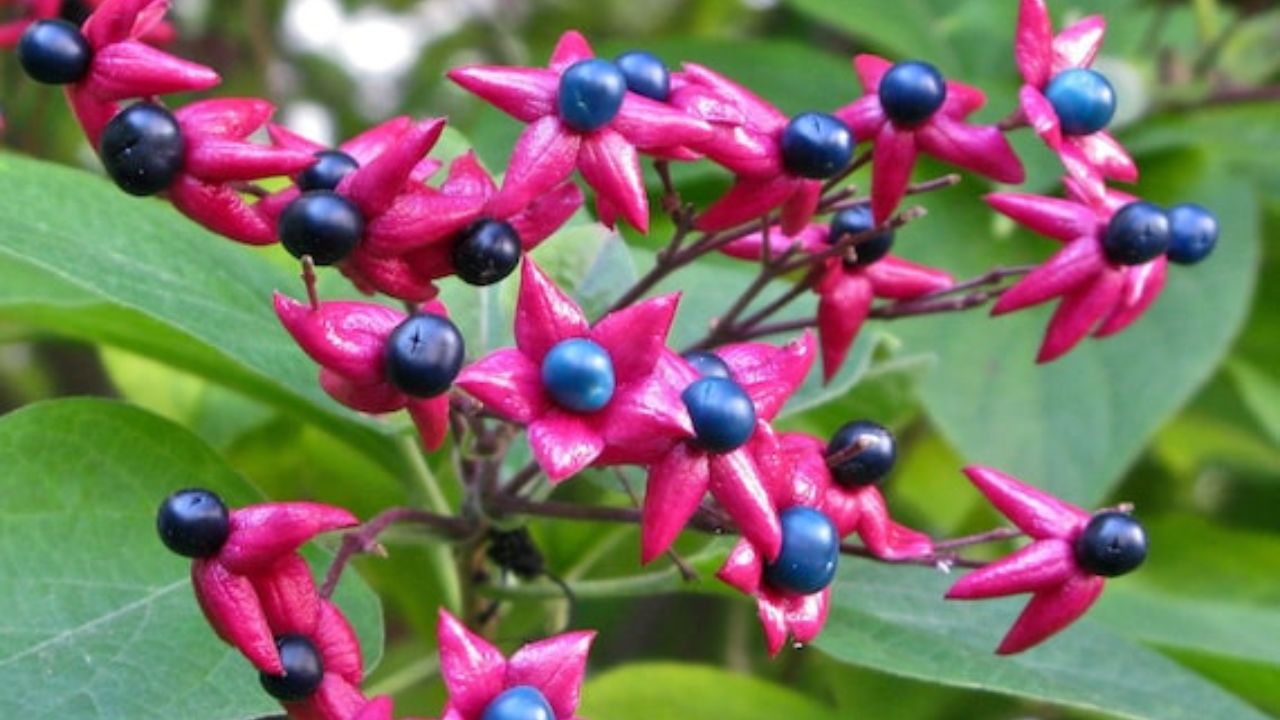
[[894, 619], [906, 29], [80, 258], [102, 622], [674, 691], [1261, 393]]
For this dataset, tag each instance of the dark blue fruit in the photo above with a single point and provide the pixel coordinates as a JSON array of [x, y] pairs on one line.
[[330, 167], [816, 145], [855, 221], [486, 252], [723, 415], [1083, 99], [1193, 233], [1112, 544], [424, 355], [810, 552], [911, 92], [708, 364], [193, 523], [591, 93], [872, 464], [578, 374], [521, 702], [303, 670], [54, 52], [1138, 233], [142, 149], [322, 224], [645, 73]]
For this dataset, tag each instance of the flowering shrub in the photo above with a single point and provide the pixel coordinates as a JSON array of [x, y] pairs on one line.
[[610, 393]]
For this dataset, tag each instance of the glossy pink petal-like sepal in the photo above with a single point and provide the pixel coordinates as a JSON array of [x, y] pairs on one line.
[[431, 417], [736, 484], [338, 645], [1064, 220], [556, 667], [1038, 566], [647, 123], [1033, 47], [221, 209], [262, 534], [1142, 285], [132, 69], [812, 239], [769, 374], [546, 214], [807, 614], [214, 160], [473, 670], [675, 489], [348, 338], [898, 279], [1070, 268], [336, 699], [742, 570], [1034, 511], [1080, 312], [545, 315], [376, 184], [759, 114], [544, 156], [843, 305], [1078, 44], [611, 167], [980, 148], [288, 596], [232, 608], [748, 199], [506, 382], [564, 443], [635, 335], [884, 537], [374, 399], [1050, 611], [1039, 112], [892, 160], [379, 708], [523, 93]]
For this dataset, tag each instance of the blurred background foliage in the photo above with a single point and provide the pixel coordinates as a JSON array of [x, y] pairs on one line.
[[1181, 415]]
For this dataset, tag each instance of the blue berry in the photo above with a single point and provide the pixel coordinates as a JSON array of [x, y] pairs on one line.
[[645, 73], [322, 224], [424, 355], [142, 149], [708, 364], [486, 252], [1112, 544], [303, 670], [855, 221], [193, 523], [591, 93], [1083, 99], [911, 92], [723, 415], [810, 552], [578, 374], [54, 52], [521, 702], [816, 145], [330, 167], [1138, 233], [872, 464], [1193, 233]]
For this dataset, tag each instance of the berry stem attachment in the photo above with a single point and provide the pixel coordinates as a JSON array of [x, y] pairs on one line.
[[365, 539], [309, 281], [995, 535]]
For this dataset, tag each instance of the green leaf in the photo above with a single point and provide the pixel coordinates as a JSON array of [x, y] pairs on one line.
[[101, 620], [675, 691], [894, 619], [80, 258], [1261, 393]]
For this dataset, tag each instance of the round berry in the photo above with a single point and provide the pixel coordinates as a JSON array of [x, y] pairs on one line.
[[1193, 233], [54, 52], [1112, 544], [911, 92], [810, 552], [871, 464], [1083, 99], [591, 93], [424, 355], [1138, 233], [486, 252], [142, 149], [708, 364], [578, 374], [855, 221], [816, 145], [322, 224], [646, 74], [303, 670], [330, 167], [193, 523], [723, 415], [521, 702]]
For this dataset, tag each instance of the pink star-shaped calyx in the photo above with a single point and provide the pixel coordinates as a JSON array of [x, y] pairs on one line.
[[349, 342], [1091, 159], [1098, 296], [549, 149], [642, 416], [475, 672], [980, 148]]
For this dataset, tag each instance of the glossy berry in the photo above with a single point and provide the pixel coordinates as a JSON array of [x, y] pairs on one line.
[[1083, 99], [424, 355], [330, 168], [591, 93], [521, 702], [303, 670], [142, 149], [911, 92], [1193, 233], [1112, 544], [708, 364], [322, 224], [486, 252], [855, 221], [809, 555], [722, 413], [872, 464], [646, 74], [193, 523], [816, 145], [54, 52], [1138, 233], [578, 374]]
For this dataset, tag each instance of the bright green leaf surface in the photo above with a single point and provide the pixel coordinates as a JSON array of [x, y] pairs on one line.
[[671, 691]]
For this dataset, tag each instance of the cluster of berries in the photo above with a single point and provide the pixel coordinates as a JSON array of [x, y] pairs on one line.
[[258, 595]]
